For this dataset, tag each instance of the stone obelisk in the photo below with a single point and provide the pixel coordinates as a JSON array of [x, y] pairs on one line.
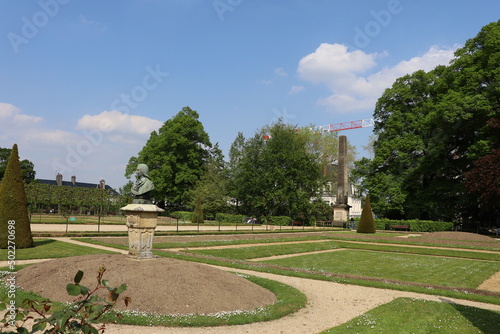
[[341, 208]]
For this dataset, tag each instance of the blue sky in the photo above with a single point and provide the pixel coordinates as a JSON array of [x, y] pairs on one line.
[[83, 83]]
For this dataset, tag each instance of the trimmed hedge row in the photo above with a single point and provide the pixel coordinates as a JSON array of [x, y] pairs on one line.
[[280, 220], [380, 223], [238, 219], [415, 225], [182, 215], [229, 218]]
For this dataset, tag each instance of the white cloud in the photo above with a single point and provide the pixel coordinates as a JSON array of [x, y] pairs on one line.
[[12, 115], [115, 122], [25, 129], [280, 72], [296, 89], [351, 77], [99, 147]]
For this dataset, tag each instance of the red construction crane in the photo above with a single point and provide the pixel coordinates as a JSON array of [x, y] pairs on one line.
[[362, 123]]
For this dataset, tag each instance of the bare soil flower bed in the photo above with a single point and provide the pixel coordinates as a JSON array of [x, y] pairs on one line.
[[161, 285]]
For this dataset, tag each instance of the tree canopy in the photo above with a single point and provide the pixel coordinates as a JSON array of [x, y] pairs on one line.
[[277, 176], [176, 155], [431, 127], [27, 167]]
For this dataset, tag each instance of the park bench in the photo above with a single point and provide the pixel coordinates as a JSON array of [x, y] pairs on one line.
[[339, 224], [332, 224], [401, 227]]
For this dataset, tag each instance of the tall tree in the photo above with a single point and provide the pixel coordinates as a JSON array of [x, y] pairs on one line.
[[27, 167], [176, 156], [277, 176], [430, 129], [14, 218], [325, 146], [235, 155], [483, 180], [211, 189]]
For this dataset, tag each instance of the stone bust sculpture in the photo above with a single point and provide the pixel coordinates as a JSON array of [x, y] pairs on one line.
[[142, 186]]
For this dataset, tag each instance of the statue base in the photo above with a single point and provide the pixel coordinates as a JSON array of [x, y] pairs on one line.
[[142, 220], [341, 213]]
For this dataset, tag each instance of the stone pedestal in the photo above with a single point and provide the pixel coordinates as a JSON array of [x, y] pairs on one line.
[[142, 220], [341, 213]]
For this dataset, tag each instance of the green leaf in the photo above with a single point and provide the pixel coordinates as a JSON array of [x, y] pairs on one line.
[[22, 330], [78, 277], [39, 327], [57, 314], [85, 329], [2, 307], [105, 282], [97, 308], [113, 296], [72, 289], [61, 321], [93, 299], [121, 288], [84, 290]]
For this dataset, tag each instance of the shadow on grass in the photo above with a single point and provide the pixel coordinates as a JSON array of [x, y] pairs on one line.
[[43, 242], [488, 322]]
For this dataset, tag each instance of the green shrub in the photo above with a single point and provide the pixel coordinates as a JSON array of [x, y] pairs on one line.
[[197, 217], [280, 220], [366, 222], [229, 218], [183, 215], [15, 230], [416, 225]]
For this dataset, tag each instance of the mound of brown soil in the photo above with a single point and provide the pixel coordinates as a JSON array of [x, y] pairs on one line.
[[161, 285]]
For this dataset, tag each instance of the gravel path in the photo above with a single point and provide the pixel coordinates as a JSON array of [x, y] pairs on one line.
[[329, 304]]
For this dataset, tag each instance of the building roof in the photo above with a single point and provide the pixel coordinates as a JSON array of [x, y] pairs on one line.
[[76, 184]]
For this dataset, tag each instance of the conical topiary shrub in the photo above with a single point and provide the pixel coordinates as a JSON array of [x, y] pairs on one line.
[[15, 227], [366, 222], [198, 212]]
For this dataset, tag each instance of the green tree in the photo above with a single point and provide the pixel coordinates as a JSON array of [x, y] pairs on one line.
[[483, 180], [198, 211], [14, 218], [176, 155], [211, 189], [430, 128], [277, 176], [325, 146], [233, 168], [27, 167], [366, 221]]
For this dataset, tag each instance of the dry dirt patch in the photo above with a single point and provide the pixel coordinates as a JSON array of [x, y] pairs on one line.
[[161, 285]]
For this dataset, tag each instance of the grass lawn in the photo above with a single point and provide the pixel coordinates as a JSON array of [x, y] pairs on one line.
[[78, 219], [407, 315], [274, 249], [49, 248], [404, 267], [244, 253], [164, 245], [403, 315]]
